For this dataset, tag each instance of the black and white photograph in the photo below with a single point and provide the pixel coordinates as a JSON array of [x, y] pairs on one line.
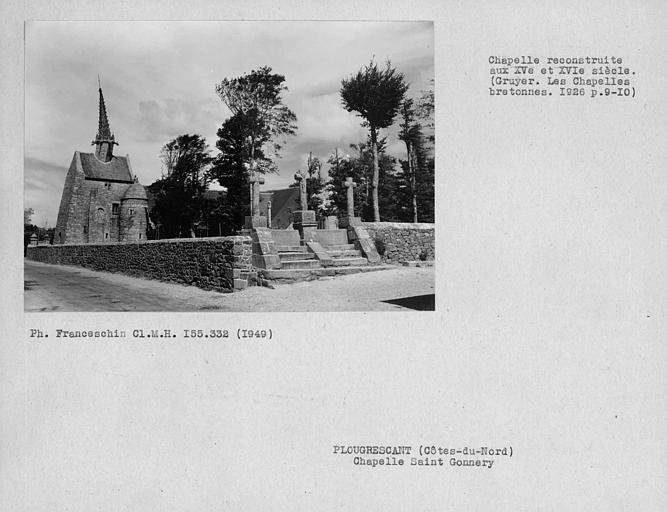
[[376, 256], [187, 166]]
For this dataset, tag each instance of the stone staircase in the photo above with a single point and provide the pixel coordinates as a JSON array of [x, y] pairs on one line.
[[330, 255], [345, 255], [297, 257]]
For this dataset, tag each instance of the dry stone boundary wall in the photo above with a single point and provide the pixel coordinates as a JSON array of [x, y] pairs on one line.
[[221, 263], [398, 242]]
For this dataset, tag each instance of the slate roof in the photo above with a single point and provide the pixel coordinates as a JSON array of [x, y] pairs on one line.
[[136, 191], [116, 170]]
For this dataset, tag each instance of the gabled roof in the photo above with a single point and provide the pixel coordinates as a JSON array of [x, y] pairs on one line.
[[115, 170]]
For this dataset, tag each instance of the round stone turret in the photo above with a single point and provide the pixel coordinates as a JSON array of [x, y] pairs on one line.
[[134, 214]]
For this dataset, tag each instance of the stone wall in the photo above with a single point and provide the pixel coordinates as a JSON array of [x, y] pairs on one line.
[[397, 242], [220, 263]]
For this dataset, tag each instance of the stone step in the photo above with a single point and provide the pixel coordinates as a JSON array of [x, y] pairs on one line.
[[291, 248], [292, 275], [330, 236], [338, 247], [348, 262], [291, 256], [286, 237], [343, 253], [300, 264]]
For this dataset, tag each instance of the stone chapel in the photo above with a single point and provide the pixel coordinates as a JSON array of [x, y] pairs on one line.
[[102, 200]]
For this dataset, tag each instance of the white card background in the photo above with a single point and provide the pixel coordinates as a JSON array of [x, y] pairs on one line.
[[548, 336]]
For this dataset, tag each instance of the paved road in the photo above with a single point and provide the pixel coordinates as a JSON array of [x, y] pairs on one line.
[[64, 288]]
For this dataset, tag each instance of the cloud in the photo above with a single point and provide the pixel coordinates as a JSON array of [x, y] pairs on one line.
[[43, 185], [322, 118], [169, 118]]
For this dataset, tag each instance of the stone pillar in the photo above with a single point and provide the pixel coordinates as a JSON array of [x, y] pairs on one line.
[[255, 220], [303, 193], [304, 219], [305, 223], [350, 220], [268, 213], [330, 222], [257, 181], [350, 184]]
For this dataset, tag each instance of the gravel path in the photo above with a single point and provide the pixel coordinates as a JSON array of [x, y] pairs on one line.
[[65, 288]]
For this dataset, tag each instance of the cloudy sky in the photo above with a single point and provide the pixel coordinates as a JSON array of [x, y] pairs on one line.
[[159, 78]]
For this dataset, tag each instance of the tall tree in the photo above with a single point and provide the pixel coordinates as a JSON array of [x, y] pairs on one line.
[[411, 134], [425, 153], [231, 168], [257, 98], [375, 95], [426, 111], [178, 195]]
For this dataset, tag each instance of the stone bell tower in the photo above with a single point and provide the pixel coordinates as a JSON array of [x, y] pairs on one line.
[[104, 140]]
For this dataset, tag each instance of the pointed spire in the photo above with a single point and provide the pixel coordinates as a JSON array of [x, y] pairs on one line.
[[103, 131], [104, 140]]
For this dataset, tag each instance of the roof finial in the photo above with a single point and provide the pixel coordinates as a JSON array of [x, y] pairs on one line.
[[99, 85]]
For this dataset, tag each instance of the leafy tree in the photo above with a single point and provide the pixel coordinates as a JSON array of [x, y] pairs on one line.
[[314, 184], [256, 97], [318, 193], [375, 95], [393, 193], [314, 166], [178, 197], [425, 109], [426, 186], [342, 166], [231, 169], [358, 166], [257, 127], [411, 135], [365, 173], [419, 167]]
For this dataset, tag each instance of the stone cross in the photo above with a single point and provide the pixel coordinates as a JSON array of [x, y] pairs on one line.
[[255, 182], [301, 178], [350, 196]]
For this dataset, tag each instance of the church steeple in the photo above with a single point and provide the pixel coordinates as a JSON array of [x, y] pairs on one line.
[[104, 140]]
